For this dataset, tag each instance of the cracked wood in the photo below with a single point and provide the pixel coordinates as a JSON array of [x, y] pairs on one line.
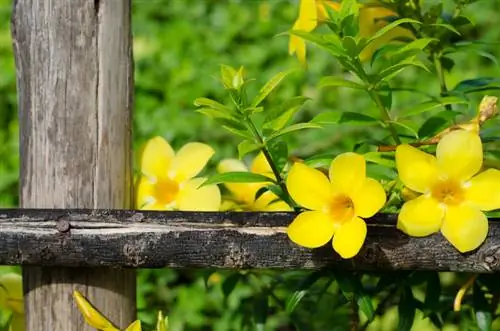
[[139, 239]]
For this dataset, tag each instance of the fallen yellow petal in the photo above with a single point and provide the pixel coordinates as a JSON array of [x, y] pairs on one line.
[[465, 227], [311, 229], [420, 217], [350, 237], [483, 190], [309, 187]]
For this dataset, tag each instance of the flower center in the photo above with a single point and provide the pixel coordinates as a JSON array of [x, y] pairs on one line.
[[341, 209], [448, 191], [166, 190]]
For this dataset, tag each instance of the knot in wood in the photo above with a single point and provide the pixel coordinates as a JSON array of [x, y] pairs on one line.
[[491, 257], [63, 225]]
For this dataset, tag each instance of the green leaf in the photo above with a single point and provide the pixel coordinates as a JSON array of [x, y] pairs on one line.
[[278, 117], [260, 310], [435, 124], [406, 310], [405, 127], [476, 85], [341, 82], [382, 158], [327, 42], [229, 284], [353, 290], [430, 105], [269, 87], [238, 132], [292, 128], [245, 147], [482, 309], [447, 27], [357, 119], [294, 299], [205, 102], [236, 177], [390, 72], [432, 293], [327, 118], [320, 160], [279, 153], [227, 74], [391, 26], [214, 113], [234, 127]]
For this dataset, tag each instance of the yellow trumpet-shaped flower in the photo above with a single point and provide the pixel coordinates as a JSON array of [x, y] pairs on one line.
[[451, 199], [244, 193], [371, 19], [337, 204], [168, 182]]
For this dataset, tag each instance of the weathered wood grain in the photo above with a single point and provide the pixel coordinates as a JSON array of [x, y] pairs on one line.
[[74, 77], [135, 239]]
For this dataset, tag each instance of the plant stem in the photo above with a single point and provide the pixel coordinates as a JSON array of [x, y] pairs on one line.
[[385, 115], [442, 81], [269, 159]]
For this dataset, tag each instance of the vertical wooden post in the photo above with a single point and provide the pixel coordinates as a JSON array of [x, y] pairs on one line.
[[75, 82]]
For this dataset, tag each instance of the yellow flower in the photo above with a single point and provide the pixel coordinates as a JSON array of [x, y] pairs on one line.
[[11, 293], [168, 179], [336, 205], [451, 199], [310, 13], [244, 193], [371, 19]]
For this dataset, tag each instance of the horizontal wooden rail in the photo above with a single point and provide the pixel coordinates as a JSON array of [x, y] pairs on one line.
[[139, 239]]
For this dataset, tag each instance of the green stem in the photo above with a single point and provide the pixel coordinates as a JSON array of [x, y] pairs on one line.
[[386, 117], [440, 73], [269, 159]]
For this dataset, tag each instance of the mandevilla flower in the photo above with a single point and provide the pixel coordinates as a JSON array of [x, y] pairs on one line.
[[244, 193], [336, 204], [371, 19], [451, 198], [167, 181]]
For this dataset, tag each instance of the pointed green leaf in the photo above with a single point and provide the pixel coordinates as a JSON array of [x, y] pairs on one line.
[[357, 119], [229, 284], [227, 74], [390, 72], [341, 82], [293, 299], [391, 26], [435, 124], [268, 88], [327, 42], [236, 177], [477, 85], [430, 105], [279, 116], [205, 102], [292, 128], [432, 292], [239, 132], [406, 127], [482, 309], [327, 118], [247, 146], [406, 310], [279, 153], [385, 159], [214, 113], [447, 27]]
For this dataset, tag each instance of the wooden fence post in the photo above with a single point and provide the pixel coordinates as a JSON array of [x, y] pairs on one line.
[[75, 82]]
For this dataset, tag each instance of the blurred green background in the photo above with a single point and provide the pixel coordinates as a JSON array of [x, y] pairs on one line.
[[178, 47]]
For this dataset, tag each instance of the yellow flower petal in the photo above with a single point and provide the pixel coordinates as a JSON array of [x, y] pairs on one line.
[[417, 170], [190, 160], [484, 190], [308, 187], [92, 316], [311, 229], [261, 166], [192, 198], [350, 237], [460, 154], [229, 165], [269, 202], [420, 217], [369, 199], [155, 157], [144, 192], [307, 21], [348, 172], [278, 206], [135, 326], [322, 10], [465, 227]]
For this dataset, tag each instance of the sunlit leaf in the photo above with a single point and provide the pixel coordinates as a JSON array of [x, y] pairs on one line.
[[279, 116], [236, 177], [270, 86], [430, 105], [357, 119], [327, 118], [293, 128], [279, 153], [323, 42], [391, 26], [205, 102], [329, 81], [245, 147], [390, 72]]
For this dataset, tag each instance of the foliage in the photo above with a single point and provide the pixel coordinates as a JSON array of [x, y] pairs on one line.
[[410, 92]]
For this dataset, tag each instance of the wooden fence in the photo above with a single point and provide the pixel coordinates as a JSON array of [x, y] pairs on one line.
[[75, 93]]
